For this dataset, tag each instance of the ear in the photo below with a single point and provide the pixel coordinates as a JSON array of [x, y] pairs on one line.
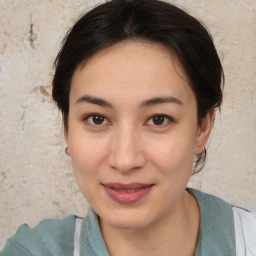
[[204, 131], [66, 139]]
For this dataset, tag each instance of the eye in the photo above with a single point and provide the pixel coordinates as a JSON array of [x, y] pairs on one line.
[[159, 120], [96, 119]]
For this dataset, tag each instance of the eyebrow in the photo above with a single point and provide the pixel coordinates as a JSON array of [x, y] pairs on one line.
[[160, 100], [146, 103], [94, 100]]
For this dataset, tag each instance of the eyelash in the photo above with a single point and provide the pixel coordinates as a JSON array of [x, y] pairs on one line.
[[165, 118], [87, 117]]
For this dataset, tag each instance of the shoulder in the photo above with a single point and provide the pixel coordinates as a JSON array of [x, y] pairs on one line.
[[211, 203], [48, 237], [234, 225], [245, 231]]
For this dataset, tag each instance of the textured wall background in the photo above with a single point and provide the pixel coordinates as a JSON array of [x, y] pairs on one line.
[[36, 178]]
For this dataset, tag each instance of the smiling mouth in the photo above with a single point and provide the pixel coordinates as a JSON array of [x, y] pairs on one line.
[[127, 190], [127, 193]]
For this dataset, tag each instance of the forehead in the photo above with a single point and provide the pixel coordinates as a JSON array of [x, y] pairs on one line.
[[129, 69]]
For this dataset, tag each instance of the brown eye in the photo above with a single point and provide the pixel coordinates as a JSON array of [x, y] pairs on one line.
[[98, 119], [158, 120], [95, 119]]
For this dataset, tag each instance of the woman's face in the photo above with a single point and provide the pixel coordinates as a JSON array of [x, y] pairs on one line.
[[132, 133]]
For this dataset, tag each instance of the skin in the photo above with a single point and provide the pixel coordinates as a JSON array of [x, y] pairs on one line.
[[126, 145]]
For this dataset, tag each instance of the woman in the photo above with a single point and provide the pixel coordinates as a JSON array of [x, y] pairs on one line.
[[138, 83]]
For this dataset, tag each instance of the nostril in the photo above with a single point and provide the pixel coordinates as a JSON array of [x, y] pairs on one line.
[[125, 153], [126, 162]]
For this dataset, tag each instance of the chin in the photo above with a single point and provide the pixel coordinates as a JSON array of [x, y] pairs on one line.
[[132, 219], [127, 224]]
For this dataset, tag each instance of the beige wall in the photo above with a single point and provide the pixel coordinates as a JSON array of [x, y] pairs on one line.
[[35, 175]]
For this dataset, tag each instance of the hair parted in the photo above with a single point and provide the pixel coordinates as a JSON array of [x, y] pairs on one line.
[[147, 20]]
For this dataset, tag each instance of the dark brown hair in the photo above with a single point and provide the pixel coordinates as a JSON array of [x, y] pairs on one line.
[[149, 20]]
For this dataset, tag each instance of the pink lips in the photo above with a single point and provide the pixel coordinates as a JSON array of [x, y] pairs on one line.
[[127, 193]]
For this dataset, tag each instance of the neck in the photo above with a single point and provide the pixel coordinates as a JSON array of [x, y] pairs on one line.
[[175, 234]]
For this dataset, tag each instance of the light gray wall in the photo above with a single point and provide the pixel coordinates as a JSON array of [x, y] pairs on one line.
[[36, 178]]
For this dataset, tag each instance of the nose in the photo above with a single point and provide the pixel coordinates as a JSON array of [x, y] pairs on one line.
[[126, 150]]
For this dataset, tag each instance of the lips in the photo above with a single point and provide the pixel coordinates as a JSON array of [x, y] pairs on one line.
[[127, 193]]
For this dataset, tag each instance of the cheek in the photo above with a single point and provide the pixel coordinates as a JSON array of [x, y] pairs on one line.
[[174, 154], [87, 155], [86, 161]]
